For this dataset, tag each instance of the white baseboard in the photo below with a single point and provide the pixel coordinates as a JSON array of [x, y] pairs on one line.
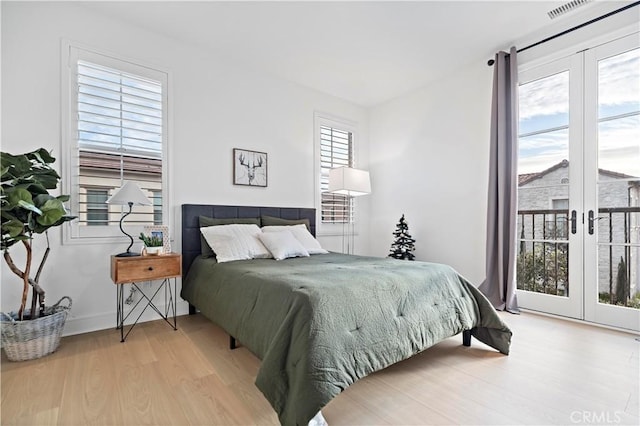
[[87, 324]]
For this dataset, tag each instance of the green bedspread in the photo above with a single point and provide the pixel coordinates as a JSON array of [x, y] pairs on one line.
[[322, 322]]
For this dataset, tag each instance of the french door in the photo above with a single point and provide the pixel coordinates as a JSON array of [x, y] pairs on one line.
[[579, 186]]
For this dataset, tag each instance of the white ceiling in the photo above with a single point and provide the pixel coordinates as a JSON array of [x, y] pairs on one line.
[[365, 52]]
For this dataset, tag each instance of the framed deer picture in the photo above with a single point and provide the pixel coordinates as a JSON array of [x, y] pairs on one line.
[[249, 167]]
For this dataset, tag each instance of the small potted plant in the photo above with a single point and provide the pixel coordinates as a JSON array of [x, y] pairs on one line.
[[153, 244], [28, 210]]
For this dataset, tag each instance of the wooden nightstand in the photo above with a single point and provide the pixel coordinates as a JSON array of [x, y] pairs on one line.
[[132, 270]]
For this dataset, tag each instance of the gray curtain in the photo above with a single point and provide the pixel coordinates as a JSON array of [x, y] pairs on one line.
[[500, 283]]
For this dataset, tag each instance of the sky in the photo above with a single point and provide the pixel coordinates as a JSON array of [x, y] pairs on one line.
[[544, 118]]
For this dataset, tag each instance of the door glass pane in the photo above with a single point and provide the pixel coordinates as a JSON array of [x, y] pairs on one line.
[[618, 219], [544, 103], [543, 185], [619, 84], [618, 148]]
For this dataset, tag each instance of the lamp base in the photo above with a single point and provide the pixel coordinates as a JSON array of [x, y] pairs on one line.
[[128, 254]]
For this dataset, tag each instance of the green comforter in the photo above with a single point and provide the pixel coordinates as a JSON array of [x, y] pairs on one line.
[[322, 322]]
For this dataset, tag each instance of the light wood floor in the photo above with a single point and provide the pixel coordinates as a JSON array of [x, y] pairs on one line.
[[558, 372]]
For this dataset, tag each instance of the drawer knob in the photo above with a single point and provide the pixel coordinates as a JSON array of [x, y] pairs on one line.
[[150, 268]]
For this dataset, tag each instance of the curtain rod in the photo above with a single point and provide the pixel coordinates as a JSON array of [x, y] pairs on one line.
[[584, 24]]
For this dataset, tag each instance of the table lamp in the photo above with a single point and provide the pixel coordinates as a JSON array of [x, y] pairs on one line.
[[129, 194]]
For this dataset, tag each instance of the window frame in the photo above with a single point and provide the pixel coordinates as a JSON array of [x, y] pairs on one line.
[[72, 232], [328, 120]]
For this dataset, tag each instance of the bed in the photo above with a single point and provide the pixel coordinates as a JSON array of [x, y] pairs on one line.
[[320, 323]]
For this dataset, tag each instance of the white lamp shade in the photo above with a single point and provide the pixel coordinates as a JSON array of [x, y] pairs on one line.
[[349, 181], [129, 193]]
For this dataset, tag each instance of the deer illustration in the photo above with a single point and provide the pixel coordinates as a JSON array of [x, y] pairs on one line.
[[251, 166]]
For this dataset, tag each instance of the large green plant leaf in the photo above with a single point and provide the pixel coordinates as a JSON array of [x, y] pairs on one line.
[[33, 187], [47, 178], [64, 219], [17, 164], [43, 156], [19, 197], [13, 227], [52, 209], [27, 206]]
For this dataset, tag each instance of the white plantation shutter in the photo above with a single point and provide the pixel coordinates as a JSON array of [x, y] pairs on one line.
[[118, 111], [117, 133], [336, 150]]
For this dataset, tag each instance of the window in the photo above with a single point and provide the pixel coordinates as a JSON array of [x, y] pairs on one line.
[[336, 150], [335, 145], [97, 209], [117, 120], [157, 207], [557, 227], [560, 204]]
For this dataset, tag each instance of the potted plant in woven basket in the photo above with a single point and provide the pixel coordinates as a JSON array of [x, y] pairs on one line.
[[28, 210]]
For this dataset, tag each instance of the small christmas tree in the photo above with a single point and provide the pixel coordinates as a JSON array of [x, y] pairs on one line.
[[403, 244]]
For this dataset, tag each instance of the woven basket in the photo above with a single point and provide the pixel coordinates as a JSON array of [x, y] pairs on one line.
[[31, 339]]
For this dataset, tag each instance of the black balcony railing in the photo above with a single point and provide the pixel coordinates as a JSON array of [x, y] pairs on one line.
[[543, 253], [618, 250]]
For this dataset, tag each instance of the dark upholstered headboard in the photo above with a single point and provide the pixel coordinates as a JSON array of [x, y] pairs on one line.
[[191, 224]]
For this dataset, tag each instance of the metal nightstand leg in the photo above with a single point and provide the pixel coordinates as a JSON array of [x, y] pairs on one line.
[[120, 311], [170, 301]]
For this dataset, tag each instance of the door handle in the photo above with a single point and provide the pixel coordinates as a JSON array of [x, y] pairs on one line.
[[573, 221], [591, 221]]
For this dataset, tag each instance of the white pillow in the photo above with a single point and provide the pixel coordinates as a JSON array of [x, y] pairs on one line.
[[302, 234], [283, 245], [235, 242]]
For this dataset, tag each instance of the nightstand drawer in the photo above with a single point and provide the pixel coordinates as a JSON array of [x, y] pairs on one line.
[[145, 268]]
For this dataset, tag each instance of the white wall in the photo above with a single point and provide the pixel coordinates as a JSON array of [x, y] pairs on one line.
[[429, 160], [215, 105]]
